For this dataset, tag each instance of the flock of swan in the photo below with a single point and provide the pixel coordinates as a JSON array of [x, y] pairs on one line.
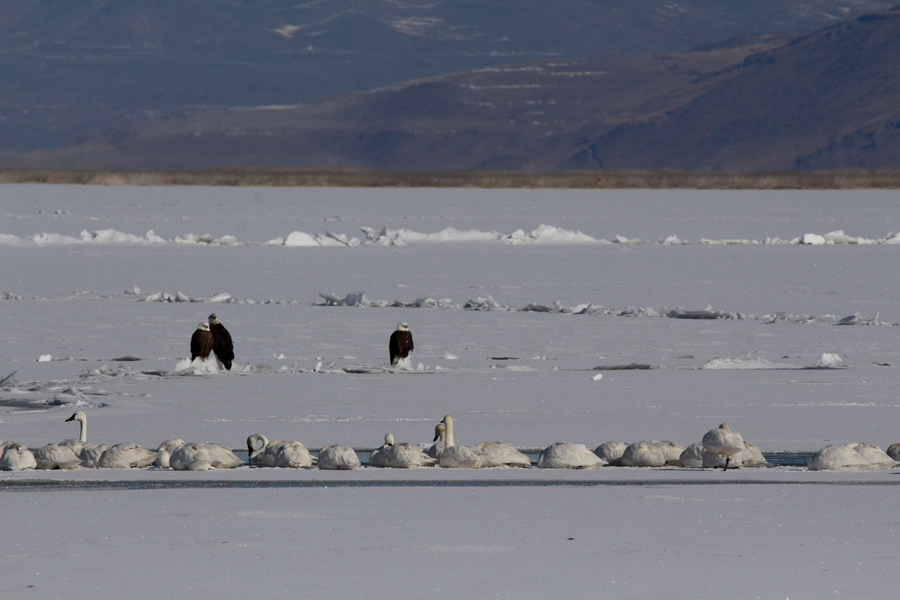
[[721, 447]]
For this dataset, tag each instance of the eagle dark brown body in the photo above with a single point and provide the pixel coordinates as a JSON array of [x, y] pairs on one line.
[[401, 344], [201, 342], [222, 345]]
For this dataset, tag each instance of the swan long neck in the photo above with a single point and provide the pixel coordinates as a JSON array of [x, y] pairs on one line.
[[83, 436], [448, 432], [253, 440]]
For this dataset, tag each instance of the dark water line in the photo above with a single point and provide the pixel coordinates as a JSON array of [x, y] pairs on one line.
[[43, 485]]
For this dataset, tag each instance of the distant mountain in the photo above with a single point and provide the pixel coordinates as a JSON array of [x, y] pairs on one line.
[[828, 99], [71, 68], [825, 100]]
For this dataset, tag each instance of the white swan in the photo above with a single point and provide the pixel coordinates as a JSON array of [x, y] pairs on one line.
[[54, 456], [850, 457], [221, 457], [126, 456], [723, 441], [611, 452], [16, 457], [399, 455], [649, 454], [195, 456], [438, 446], [189, 457], [643, 454], [88, 453], [877, 457], [692, 456], [482, 455], [695, 456], [752, 456], [569, 455], [164, 452], [77, 444], [378, 458], [501, 454], [293, 455], [336, 457], [453, 456], [670, 450], [838, 457]]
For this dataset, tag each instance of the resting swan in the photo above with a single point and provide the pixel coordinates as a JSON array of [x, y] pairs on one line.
[[337, 457], [164, 452], [723, 441], [644, 454], [120, 456], [399, 455], [126, 456], [54, 456], [501, 454], [850, 457], [203, 457], [16, 457], [568, 455], [88, 453], [292, 455], [611, 452], [453, 456], [438, 446]]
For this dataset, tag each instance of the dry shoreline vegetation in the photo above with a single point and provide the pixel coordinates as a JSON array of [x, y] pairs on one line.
[[308, 177]]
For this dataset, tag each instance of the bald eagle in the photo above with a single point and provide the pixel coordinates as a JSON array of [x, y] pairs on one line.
[[401, 344], [222, 345], [201, 342]]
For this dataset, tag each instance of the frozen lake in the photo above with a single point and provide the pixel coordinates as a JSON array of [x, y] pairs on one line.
[[517, 300]]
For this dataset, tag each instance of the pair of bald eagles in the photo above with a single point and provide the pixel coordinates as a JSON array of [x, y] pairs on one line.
[[213, 337]]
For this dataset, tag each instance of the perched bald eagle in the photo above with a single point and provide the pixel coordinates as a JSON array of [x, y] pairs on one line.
[[201, 342], [222, 345], [401, 344]]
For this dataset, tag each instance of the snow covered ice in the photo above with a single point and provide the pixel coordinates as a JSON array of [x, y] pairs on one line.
[[772, 311]]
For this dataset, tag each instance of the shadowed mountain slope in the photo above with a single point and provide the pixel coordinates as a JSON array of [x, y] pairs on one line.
[[72, 68]]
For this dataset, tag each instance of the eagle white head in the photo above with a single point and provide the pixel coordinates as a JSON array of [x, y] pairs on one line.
[[203, 326], [402, 327], [213, 319]]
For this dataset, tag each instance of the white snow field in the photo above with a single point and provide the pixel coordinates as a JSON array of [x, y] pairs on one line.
[[775, 312]]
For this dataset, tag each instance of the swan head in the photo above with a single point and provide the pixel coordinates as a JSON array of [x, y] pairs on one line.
[[170, 445], [402, 327], [439, 431], [252, 441], [389, 439], [78, 416], [723, 426]]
